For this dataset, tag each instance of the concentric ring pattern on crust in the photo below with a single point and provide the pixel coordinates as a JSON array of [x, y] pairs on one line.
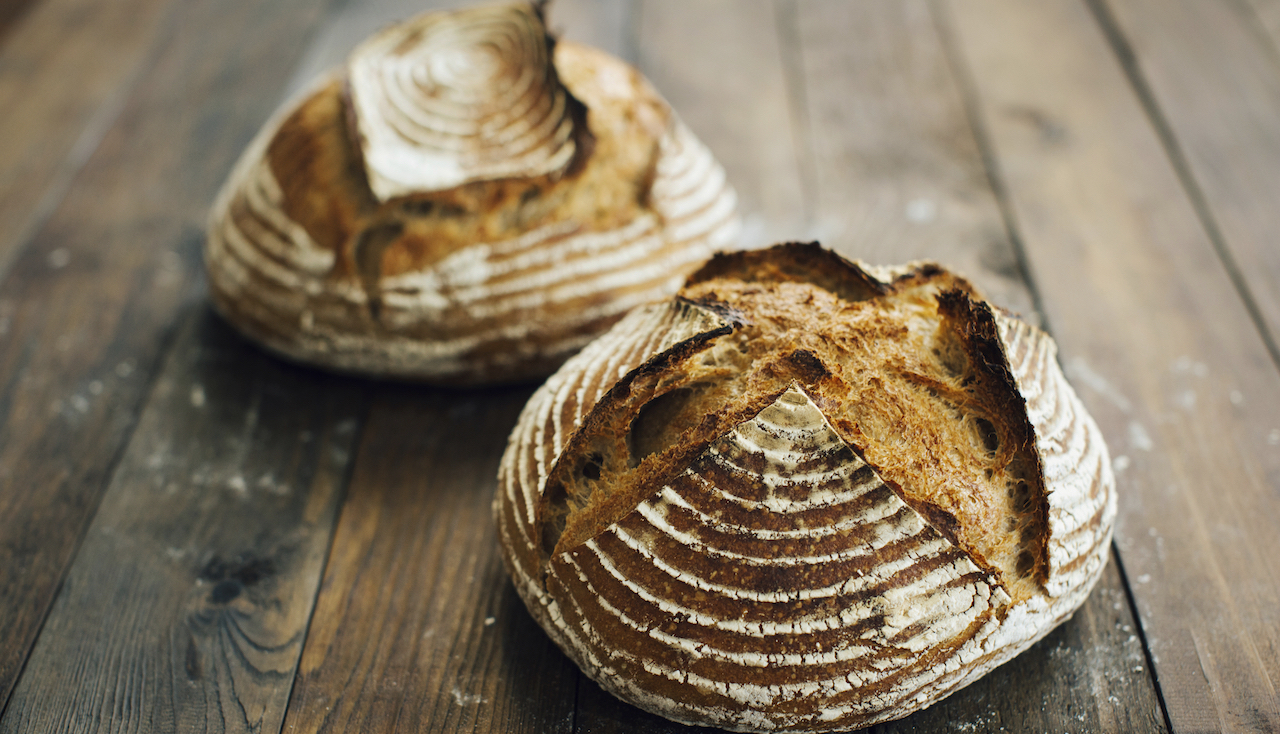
[[804, 495], [465, 201]]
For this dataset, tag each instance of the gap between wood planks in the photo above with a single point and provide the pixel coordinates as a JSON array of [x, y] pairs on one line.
[[1128, 61]]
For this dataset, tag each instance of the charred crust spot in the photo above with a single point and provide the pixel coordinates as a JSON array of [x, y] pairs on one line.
[[807, 366], [796, 262], [733, 317], [941, 520]]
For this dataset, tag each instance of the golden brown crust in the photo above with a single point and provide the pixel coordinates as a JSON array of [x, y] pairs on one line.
[[828, 507], [497, 278]]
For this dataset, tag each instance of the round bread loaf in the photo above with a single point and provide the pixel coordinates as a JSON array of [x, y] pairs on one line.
[[805, 495], [465, 201]]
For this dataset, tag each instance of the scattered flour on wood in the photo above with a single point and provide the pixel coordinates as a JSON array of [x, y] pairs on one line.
[[466, 699], [1079, 371]]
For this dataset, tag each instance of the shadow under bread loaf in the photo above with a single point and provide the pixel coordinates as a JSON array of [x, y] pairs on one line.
[[466, 200], [805, 495]]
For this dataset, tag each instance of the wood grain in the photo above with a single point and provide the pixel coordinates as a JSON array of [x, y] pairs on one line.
[[66, 68], [417, 628], [1215, 83], [898, 172], [1160, 343], [207, 549], [90, 306], [733, 93]]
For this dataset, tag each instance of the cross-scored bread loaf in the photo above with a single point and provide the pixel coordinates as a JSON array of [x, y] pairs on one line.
[[805, 495], [465, 201]]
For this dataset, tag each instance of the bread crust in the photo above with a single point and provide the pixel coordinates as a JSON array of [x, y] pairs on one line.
[[492, 269], [776, 506]]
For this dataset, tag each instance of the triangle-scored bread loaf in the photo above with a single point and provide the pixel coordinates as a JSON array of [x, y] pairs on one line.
[[805, 495]]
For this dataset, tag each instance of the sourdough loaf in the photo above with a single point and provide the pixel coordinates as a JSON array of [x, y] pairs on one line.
[[804, 495], [466, 200]]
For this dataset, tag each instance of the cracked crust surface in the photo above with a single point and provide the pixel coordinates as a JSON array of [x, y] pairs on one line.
[[778, 505]]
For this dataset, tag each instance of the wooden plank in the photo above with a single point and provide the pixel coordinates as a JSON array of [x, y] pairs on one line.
[[417, 628], [733, 94], [207, 549], [608, 25], [89, 307], [66, 67], [898, 172], [1213, 86], [1159, 341]]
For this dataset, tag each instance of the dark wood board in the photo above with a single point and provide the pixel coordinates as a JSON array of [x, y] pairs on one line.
[[733, 93], [187, 605], [417, 628], [91, 304], [1212, 81], [66, 68], [1160, 344], [898, 174]]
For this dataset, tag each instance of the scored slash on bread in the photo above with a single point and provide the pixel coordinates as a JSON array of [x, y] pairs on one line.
[[804, 495]]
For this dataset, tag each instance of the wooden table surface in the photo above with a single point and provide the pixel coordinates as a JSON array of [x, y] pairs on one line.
[[195, 536]]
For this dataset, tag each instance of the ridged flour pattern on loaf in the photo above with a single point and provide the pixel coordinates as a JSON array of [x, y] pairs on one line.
[[463, 247], [775, 581]]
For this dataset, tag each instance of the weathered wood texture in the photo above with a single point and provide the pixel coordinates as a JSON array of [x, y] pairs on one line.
[[733, 94], [1160, 343], [66, 67], [90, 305], [1213, 81], [417, 628], [898, 172], [187, 605]]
